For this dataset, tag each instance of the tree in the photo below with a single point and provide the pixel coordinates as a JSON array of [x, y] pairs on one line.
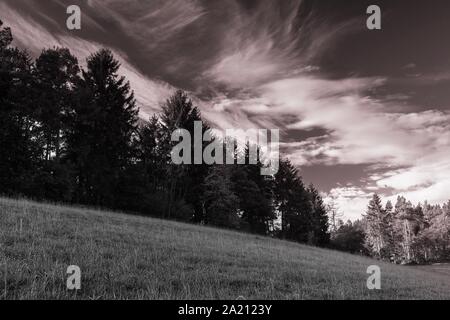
[[293, 202], [104, 125], [151, 152], [220, 202], [19, 158], [408, 223], [255, 193], [349, 237], [375, 227], [319, 218], [334, 215], [57, 73], [182, 181], [389, 231]]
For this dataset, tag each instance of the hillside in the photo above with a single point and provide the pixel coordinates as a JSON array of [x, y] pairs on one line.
[[130, 257]]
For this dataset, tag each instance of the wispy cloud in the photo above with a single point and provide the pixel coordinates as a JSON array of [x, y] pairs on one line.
[[33, 37]]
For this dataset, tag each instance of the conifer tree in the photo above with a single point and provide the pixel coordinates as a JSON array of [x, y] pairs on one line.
[[104, 125], [375, 227]]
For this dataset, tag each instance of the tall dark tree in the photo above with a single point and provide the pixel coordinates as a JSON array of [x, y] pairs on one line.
[[56, 74], [103, 128], [19, 157], [255, 193], [319, 218], [220, 202], [293, 203], [350, 237], [182, 181], [152, 153]]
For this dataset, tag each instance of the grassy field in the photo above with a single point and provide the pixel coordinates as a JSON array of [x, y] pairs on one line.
[[128, 257]]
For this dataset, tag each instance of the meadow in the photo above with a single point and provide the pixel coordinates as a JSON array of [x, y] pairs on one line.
[[133, 257]]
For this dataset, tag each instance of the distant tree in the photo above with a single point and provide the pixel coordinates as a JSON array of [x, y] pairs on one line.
[[389, 231], [334, 215], [408, 224], [407, 233], [350, 237], [375, 227], [5, 37]]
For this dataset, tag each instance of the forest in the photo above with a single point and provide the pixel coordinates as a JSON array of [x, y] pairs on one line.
[[73, 134], [401, 234], [405, 233]]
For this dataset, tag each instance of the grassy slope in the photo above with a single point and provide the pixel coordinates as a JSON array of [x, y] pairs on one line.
[[127, 257]]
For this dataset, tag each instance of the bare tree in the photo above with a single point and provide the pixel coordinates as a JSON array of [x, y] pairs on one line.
[[334, 215]]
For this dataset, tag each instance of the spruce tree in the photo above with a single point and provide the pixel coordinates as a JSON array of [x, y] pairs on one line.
[[319, 218], [183, 182], [375, 227], [104, 125], [220, 202]]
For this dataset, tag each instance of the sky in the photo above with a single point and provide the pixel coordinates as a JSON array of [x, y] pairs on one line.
[[360, 111]]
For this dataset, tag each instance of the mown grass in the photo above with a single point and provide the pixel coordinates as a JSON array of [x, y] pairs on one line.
[[131, 257]]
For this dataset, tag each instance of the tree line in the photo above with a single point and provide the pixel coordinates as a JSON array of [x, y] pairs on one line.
[[73, 134], [408, 234], [402, 233]]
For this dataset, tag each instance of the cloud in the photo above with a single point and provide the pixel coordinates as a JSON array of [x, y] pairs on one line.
[[151, 23], [360, 130], [32, 36], [351, 201], [272, 41]]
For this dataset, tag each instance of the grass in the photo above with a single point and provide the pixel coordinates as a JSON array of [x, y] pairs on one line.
[[131, 257]]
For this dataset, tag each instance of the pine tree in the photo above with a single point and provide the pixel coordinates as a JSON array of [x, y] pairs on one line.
[[184, 182], [151, 153], [293, 203], [103, 127], [19, 158], [375, 227], [255, 193], [389, 231], [220, 202], [319, 218], [57, 73]]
